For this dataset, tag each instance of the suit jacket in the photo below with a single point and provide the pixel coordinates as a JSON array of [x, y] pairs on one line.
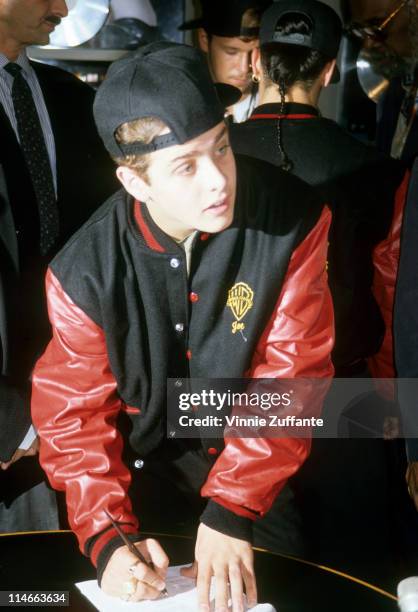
[[85, 178], [388, 110], [14, 408], [406, 319]]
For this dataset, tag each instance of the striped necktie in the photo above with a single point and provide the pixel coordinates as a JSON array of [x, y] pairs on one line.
[[34, 150]]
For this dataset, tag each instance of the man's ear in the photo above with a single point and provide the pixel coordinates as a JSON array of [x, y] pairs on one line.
[[133, 183], [328, 72], [256, 63], [203, 40]]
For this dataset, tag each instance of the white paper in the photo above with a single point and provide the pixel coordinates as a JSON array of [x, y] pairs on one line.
[[182, 597]]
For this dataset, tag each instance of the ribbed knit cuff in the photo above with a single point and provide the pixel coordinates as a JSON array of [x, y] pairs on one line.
[[102, 546], [225, 521], [108, 550]]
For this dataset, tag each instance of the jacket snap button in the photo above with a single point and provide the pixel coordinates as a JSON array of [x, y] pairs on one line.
[[174, 263], [212, 451], [193, 297], [138, 464], [179, 327]]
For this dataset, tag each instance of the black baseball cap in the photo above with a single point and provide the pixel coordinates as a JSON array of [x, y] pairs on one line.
[[165, 80], [326, 26], [224, 17]]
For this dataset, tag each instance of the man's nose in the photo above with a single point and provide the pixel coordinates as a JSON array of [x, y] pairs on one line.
[[59, 8], [216, 179], [243, 63]]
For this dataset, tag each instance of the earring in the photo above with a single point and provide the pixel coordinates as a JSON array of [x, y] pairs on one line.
[[255, 78]]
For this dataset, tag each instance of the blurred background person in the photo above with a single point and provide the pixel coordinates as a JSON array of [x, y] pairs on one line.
[[389, 32], [228, 32]]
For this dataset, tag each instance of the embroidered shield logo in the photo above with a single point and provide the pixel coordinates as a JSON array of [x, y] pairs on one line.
[[240, 301]]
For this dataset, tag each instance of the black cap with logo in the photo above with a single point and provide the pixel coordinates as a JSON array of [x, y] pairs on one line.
[[326, 25], [224, 17], [167, 81]]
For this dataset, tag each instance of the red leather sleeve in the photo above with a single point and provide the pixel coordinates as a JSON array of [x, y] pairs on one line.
[[386, 261], [74, 407], [297, 342]]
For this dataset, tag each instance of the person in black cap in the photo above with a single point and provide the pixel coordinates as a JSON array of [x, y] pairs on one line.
[[299, 43], [149, 290], [228, 32]]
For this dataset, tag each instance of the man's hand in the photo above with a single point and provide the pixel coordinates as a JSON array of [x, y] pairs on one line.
[[412, 481], [127, 578], [19, 453], [231, 561]]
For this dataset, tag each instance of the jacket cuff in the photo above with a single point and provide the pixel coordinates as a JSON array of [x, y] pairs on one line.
[[412, 449], [14, 417], [102, 546], [225, 521]]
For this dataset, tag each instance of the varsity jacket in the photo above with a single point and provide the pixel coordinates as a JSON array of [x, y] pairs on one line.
[[126, 316], [366, 193]]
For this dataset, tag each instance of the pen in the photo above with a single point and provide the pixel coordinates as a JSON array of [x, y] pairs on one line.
[[134, 550]]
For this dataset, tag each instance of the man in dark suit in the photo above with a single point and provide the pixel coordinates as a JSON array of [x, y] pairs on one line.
[[55, 173], [406, 332], [14, 413], [389, 32]]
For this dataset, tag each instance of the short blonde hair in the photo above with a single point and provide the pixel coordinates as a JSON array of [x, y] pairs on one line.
[[250, 18], [141, 130]]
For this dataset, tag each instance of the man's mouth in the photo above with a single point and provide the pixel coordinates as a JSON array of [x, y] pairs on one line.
[[218, 208], [240, 83], [52, 20]]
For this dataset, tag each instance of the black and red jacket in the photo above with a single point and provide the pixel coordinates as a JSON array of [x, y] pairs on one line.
[[366, 193], [116, 293]]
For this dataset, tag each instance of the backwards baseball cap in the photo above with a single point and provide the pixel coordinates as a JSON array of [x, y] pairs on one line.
[[326, 25], [225, 17], [167, 81]]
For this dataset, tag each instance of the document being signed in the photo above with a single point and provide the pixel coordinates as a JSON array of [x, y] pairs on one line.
[[182, 595]]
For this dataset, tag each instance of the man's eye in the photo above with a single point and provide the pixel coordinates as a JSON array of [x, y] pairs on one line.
[[223, 149], [185, 169]]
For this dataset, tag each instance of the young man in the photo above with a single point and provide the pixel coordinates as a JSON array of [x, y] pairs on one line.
[[141, 295], [228, 32], [299, 43]]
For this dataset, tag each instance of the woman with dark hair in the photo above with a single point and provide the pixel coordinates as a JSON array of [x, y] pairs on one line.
[[299, 43], [294, 69]]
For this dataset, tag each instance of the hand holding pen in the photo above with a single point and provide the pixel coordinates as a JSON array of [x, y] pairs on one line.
[[145, 581]]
